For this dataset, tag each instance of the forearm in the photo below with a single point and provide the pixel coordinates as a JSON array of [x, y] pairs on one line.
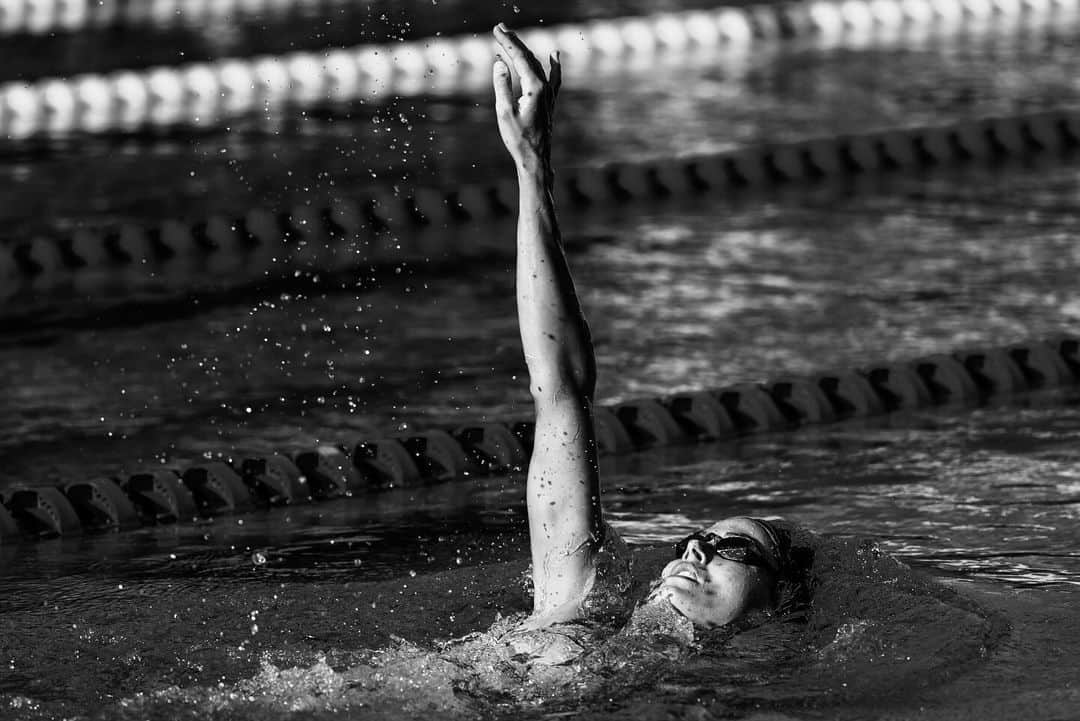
[[554, 334]]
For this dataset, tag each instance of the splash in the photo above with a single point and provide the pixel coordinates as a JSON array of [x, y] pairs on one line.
[[875, 629]]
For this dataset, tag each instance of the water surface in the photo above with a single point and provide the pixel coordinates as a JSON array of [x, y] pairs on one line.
[[289, 610]]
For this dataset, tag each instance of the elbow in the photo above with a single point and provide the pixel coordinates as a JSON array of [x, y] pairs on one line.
[[564, 383], [564, 368]]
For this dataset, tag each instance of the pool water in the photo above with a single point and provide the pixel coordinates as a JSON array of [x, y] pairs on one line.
[[281, 611], [679, 297], [336, 610]]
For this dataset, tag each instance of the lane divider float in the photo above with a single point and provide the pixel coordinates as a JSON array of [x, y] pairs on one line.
[[830, 18], [384, 227], [244, 482], [43, 17], [207, 94]]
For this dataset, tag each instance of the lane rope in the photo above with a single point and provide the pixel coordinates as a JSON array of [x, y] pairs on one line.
[[43, 17], [240, 483], [208, 94], [384, 227]]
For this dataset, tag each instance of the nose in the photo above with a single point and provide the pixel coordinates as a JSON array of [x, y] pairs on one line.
[[696, 552]]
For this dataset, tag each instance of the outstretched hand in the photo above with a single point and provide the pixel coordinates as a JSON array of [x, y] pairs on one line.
[[525, 123]]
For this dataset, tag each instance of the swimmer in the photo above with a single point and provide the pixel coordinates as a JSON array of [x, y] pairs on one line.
[[721, 573]]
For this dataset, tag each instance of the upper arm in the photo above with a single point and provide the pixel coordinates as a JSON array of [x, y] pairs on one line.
[[564, 501]]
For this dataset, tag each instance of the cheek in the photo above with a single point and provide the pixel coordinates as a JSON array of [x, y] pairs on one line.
[[732, 590], [741, 588]]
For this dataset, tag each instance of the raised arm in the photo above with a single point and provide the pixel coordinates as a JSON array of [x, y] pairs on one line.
[[563, 487]]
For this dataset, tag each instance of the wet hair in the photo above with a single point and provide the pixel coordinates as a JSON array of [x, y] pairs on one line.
[[794, 551]]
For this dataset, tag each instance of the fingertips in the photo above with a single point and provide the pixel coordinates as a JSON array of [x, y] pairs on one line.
[[509, 43], [529, 70], [500, 33], [503, 35]]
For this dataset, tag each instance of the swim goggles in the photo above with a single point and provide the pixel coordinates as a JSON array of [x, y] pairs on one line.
[[740, 549]]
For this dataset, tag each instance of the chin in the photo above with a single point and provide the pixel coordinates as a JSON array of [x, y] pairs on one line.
[[680, 593], [696, 615]]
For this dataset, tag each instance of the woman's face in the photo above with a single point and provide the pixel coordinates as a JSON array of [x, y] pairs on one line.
[[707, 586]]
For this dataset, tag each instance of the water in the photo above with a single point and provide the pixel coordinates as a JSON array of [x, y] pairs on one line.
[[678, 297], [334, 610], [185, 618]]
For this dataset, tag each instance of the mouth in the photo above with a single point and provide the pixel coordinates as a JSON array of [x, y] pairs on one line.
[[685, 570]]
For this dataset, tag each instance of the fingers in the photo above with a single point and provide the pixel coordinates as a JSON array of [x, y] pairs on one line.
[[504, 91], [555, 75], [525, 63]]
